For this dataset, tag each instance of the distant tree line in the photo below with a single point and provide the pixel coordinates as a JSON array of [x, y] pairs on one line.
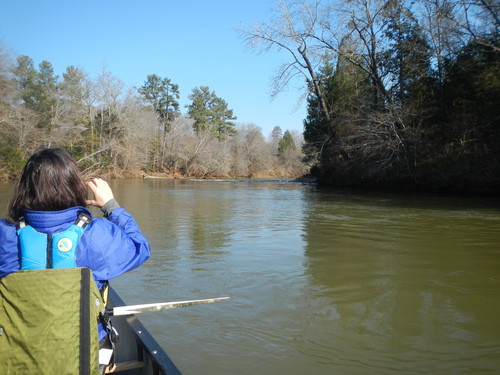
[[400, 93], [114, 129]]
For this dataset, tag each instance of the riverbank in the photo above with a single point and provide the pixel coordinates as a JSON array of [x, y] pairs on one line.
[[435, 184]]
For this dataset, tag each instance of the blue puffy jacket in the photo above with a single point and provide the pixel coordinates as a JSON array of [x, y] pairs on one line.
[[109, 247]]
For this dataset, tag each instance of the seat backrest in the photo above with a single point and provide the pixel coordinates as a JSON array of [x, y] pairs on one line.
[[48, 322]]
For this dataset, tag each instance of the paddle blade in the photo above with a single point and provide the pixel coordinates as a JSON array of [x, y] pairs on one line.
[[138, 309]]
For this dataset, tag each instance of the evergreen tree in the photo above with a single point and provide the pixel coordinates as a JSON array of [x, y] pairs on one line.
[[472, 97], [163, 95], [345, 87], [26, 77], [74, 86], [38, 88], [211, 114], [406, 60], [286, 143]]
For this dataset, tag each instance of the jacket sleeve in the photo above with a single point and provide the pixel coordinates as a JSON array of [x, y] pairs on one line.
[[113, 246]]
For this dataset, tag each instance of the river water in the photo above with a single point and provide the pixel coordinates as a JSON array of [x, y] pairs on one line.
[[321, 281]]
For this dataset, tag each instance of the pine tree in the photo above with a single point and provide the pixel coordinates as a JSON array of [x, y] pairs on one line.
[[286, 143], [211, 114], [163, 95], [38, 88]]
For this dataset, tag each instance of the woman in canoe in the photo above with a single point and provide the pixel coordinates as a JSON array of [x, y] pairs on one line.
[[50, 202]]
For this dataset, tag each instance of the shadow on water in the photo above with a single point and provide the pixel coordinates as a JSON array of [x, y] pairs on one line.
[[408, 282]]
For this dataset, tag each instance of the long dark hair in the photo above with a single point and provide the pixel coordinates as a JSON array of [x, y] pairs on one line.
[[50, 182]]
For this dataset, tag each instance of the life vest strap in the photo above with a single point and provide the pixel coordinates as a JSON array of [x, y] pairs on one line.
[[49, 261], [22, 223], [83, 220]]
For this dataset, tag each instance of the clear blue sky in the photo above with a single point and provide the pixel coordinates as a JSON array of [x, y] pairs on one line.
[[192, 42]]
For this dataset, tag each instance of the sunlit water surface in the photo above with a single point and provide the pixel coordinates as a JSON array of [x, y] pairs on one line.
[[321, 281]]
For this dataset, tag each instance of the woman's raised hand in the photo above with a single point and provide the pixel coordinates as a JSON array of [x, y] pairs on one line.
[[101, 190]]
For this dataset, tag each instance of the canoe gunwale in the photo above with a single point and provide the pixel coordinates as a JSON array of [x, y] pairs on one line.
[[155, 359]]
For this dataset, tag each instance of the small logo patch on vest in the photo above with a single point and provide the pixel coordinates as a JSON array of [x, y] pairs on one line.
[[64, 244]]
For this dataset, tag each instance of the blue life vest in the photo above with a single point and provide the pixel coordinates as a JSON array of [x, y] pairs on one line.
[[58, 250]]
